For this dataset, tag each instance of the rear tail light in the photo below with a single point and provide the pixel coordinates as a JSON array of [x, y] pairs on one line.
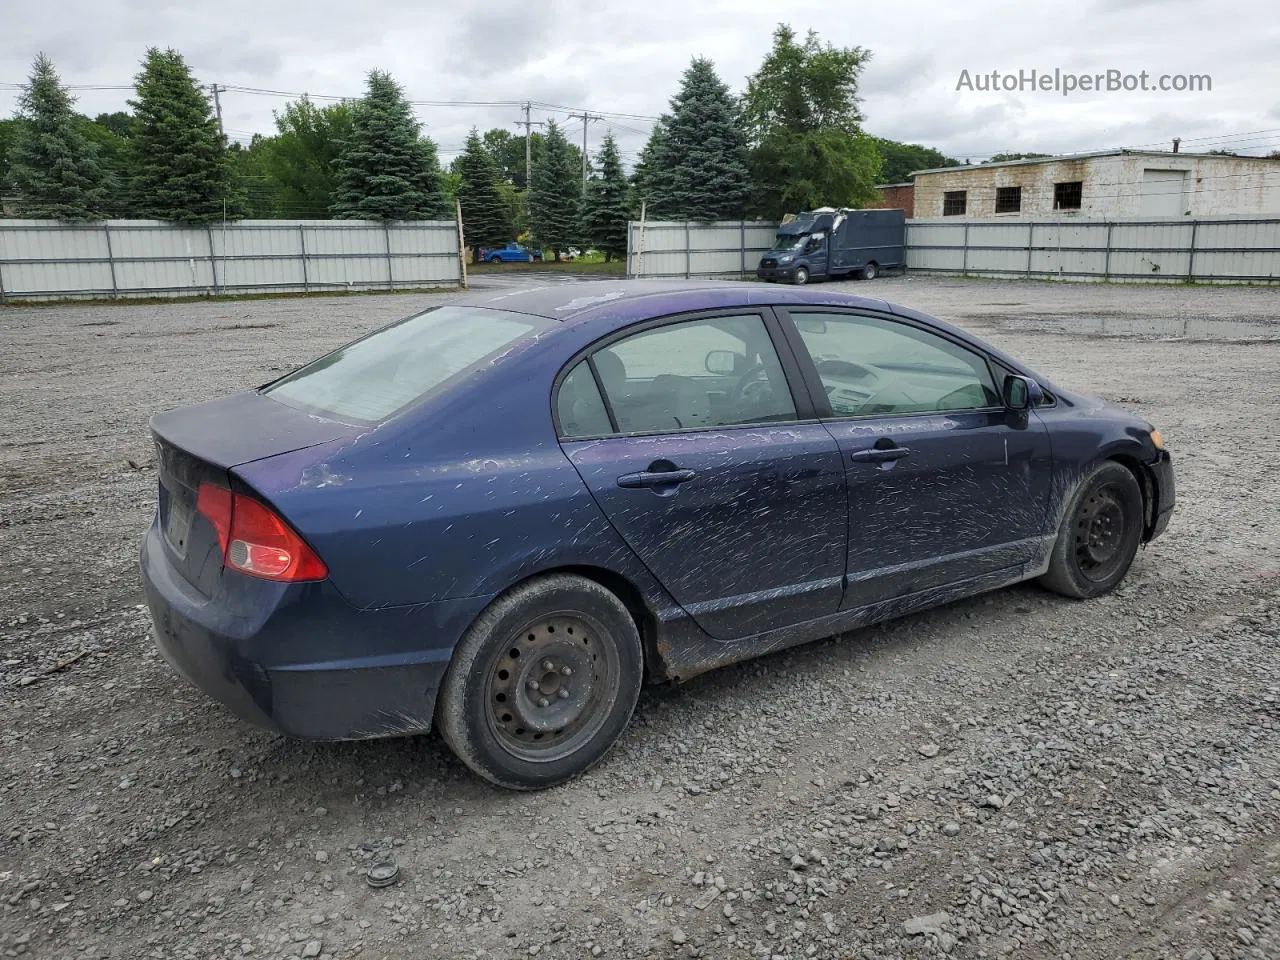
[[255, 540]]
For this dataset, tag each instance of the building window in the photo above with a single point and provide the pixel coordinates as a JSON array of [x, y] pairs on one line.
[[953, 203], [1008, 199], [1067, 196]]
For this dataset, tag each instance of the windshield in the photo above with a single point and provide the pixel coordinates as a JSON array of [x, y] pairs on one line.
[[788, 241], [376, 377]]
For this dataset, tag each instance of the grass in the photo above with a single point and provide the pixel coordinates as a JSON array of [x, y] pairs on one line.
[[616, 267]]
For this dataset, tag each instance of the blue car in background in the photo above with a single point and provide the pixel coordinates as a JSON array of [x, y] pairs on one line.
[[497, 516], [511, 253]]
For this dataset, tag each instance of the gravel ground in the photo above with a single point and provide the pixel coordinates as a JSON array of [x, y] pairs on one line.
[[1014, 775]]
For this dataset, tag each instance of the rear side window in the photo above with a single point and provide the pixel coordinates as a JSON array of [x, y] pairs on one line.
[[579, 406], [378, 376]]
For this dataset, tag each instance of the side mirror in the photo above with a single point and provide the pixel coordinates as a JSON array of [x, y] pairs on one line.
[[723, 362], [1021, 393]]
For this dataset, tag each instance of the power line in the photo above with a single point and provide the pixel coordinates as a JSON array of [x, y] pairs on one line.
[[586, 119]]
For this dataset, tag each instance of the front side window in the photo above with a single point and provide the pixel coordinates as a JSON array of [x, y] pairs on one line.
[[720, 371], [874, 367], [378, 376]]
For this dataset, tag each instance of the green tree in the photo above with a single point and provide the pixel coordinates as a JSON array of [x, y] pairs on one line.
[[554, 193], [801, 112], [700, 171], [385, 170], [300, 158], [116, 157], [900, 160], [1005, 157], [486, 216], [640, 194], [182, 169], [53, 168], [604, 205], [262, 194], [8, 133]]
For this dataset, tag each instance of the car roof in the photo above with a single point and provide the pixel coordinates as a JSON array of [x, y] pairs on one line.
[[626, 300]]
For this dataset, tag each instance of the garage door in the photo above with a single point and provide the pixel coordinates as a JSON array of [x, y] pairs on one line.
[[1162, 193]]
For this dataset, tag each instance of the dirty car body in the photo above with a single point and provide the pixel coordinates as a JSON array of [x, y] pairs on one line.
[[746, 467]]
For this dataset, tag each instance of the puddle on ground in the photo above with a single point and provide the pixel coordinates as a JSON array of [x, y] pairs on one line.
[[1155, 328]]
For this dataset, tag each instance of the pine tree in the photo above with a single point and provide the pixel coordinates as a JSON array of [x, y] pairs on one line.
[[640, 194], [555, 193], [700, 171], [604, 206], [486, 214], [385, 170], [183, 168], [54, 169]]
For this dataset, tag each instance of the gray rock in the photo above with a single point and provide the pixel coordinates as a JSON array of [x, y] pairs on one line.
[[931, 923], [929, 750], [313, 948], [678, 936], [951, 829]]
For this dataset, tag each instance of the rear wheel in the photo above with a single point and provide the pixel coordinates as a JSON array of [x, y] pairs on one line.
[[1100, 534], [543, 683], [868, 272], [801, 277]]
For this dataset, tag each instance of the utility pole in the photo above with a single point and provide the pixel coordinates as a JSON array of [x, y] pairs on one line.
[[528, 142], [586, 118], [217, 105]]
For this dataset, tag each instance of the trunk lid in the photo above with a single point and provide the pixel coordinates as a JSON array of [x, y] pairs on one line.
[[202, 444]]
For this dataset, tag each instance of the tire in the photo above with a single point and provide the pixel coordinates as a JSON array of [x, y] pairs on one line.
[[521, 721], [801, 277], [495, 259], [1100, 534], [869, 272]]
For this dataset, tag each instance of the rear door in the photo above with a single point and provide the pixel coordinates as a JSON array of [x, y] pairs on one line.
[[718, 475], [944, 483]]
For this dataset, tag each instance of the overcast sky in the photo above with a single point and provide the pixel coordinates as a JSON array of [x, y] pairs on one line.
[[625, 58]]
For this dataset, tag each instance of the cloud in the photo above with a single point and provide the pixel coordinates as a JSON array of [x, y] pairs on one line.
[[623, 57]]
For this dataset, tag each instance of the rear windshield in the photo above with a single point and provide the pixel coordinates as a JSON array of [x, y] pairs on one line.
[[379, 375]]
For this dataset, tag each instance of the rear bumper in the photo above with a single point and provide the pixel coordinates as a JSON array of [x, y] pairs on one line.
[[1162, 477], [298, 659]]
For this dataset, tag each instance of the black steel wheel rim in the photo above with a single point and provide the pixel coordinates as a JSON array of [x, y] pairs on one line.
[[551, 687], [1100, 530]]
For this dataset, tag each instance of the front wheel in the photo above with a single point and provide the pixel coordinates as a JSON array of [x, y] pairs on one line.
[[868, 272], [1100, 534], [495, 259], [801, 277], [544, 682]]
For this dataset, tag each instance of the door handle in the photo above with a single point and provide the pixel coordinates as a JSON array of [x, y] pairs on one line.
[[879, 454], [655, 478]]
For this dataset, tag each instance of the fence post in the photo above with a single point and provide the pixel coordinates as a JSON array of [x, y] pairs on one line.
[[1031, 236], [688, 254], [964, 256], [302, 245], [111, 260], [1106, 265], [3, 296], [213, 263], [462, 245], [742, 245], [1191, 259], [386, 233]]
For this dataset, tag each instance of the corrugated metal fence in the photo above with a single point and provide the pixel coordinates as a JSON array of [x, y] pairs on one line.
[[42, 259], [1234, 250], [667, 248]]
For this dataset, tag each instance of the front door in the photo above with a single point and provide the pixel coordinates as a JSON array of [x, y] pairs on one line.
[[944, 483], [738, 509]]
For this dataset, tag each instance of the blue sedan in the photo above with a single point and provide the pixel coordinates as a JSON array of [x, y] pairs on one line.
[[498, 516]]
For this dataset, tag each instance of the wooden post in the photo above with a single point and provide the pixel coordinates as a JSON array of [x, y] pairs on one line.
[[462, 241], [302, 244], [391, 275], [1191, 258], [111, 260], [213, 263]]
